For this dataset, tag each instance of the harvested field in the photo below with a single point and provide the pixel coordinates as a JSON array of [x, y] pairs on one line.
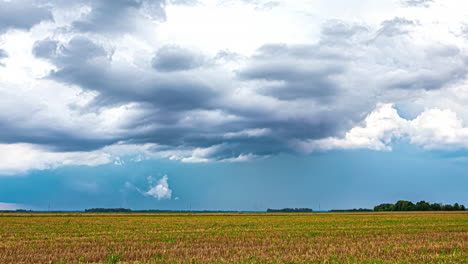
[[235, 238]]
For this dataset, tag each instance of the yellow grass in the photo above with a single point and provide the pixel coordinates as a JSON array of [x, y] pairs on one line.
[[235, 238]]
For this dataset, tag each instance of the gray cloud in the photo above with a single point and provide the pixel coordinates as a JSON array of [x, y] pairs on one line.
[[184, 2], [21, 14], [112, 16], [45, 48], [396, 26], [87, 64], [186, 100], [174, 58], [296, 92], [428, 79], [417, 3], [56, 139], [295, 72], [164, 98], [3, 55]]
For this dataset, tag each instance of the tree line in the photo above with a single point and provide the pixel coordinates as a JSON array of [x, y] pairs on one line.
[[290, 210], [419, 206]]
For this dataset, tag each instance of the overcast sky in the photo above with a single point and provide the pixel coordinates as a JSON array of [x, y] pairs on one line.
[[232, 104]]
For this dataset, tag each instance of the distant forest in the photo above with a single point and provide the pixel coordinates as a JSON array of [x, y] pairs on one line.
[[419, 206]]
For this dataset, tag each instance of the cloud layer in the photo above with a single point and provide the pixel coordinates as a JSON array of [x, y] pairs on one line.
[[89, 82]]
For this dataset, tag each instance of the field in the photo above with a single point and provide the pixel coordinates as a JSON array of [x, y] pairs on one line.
[[235, 238]]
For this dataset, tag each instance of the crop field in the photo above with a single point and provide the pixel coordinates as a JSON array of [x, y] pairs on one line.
[[235, 238]]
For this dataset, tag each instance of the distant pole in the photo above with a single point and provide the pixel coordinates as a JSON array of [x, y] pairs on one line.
[[48, 207]]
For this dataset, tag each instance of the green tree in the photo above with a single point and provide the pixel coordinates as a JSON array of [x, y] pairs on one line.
[[404, 206], [422, 206], [384, 207], [447, 207]]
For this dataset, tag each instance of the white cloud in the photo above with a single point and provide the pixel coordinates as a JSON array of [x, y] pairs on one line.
[[241, 158], [432, 129], [20, 158], [161, 190], [200, 155], [256, 132], [438, 129], [12, 206], [379, 128]]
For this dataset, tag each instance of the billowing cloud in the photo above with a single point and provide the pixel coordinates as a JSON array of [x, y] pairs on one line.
[[396, 26], [115, 16], [87, 64], [122, 81], [21, 158], [294, 72], [433, 129], [21, 14], [161, 190], [173, 58]]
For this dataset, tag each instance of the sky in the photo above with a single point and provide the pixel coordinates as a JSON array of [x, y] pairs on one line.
[[232, 104]]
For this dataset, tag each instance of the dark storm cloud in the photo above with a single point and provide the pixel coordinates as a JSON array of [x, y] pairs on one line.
[[294, 82], [55, 139], [302, 90], [174, 58], [21, 14], [305, 71], [86, 64], [164, 97], [428, 79], [295, 71], [115, 16]]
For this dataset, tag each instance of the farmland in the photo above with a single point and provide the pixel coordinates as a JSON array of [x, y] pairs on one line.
[[235, 238]]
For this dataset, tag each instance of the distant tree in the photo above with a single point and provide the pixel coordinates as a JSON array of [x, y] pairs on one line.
[[384, 207], [108, 210], [436, 207], [447, 207], [404, 206], [422, 206], [419, 206], [352, 210], [290, 210]]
